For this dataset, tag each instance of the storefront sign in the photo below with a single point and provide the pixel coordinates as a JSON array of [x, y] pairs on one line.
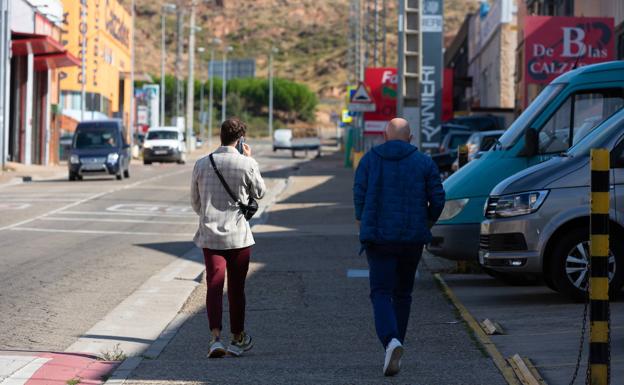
[[431, 79], [383, 85], [554, 45]]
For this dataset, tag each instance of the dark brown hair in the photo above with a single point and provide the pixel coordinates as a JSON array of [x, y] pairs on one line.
[[231, 130]]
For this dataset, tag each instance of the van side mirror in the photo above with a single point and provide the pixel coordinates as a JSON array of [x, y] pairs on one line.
[[531, 143]]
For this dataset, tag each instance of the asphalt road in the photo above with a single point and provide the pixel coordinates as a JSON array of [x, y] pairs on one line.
[[71, 251]]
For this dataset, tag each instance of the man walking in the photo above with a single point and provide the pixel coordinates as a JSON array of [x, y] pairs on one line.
[[398, 196], [224, 234]]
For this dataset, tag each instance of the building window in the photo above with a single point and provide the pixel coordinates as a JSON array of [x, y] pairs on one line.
[[551, 7]]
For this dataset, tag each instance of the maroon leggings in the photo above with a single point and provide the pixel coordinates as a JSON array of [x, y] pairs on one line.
[[236, 262]]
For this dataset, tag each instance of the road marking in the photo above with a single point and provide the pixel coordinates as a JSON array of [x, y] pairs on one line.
[[150, 208], [92, 197], [118, 220], [357, 273], [100, 232], [14, 206], [103, 213], [485, 341], [22, 376], [38, 199]]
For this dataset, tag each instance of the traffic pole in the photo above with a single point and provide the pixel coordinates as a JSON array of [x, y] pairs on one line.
[[599, 343]]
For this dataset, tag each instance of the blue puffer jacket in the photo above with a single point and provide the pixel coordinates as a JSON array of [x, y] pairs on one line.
[[398, 195]]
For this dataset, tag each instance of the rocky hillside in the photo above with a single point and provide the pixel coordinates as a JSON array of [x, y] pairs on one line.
[[311, 35]]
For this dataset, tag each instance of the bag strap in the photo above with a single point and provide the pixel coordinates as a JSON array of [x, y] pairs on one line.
[[223, 182]]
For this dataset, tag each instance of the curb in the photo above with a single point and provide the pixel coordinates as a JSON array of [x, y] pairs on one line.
[[499, 361]]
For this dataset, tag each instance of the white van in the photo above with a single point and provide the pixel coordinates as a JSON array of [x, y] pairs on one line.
[[164, 144]]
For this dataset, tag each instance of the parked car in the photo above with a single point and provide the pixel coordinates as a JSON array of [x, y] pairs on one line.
[[584, 97], [99, 147], [480, 122], [164, 144], [537, 221], [478, 143], [448, 150]]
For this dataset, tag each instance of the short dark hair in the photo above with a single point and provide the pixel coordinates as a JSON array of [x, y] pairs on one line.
[[231, 130]]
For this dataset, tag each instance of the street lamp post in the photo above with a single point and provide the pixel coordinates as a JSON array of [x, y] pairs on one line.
[[215, 42], [273, 50], [224, 87], [201, 98], [132, 58], [190, 90], [5, 39], [163, 60]]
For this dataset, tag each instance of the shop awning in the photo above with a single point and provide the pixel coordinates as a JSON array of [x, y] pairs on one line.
[[27, 43], [55, 60]]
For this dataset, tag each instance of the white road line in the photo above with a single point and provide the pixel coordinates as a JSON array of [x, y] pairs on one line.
[[118, 220], [100, 232], [26, 200], [92, 197], [22, 376], [110, 213]]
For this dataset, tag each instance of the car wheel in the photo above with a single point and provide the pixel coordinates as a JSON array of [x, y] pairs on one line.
[[513, 279], [72, 176], [127, 173], [182, 159], [119, 175], [569, 264]]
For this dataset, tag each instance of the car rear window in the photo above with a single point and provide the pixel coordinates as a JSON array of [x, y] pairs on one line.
[[167, 135]]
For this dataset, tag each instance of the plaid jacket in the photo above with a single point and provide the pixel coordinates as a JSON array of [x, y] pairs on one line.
[[222, 226]]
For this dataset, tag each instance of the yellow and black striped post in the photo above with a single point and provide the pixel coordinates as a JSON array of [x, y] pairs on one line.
[[599, 349], [462, 155]]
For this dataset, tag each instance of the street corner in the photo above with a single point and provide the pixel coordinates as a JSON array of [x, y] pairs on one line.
[[49, 368]]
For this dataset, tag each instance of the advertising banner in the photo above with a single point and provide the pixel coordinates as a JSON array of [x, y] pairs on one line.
[[431, 74], [382, 83], [554, 45]]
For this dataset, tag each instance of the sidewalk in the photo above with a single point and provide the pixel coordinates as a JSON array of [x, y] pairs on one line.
[[311, 323], [15, 172]]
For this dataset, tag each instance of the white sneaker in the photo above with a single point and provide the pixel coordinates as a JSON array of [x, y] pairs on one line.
[[392, 363], [216, 350]]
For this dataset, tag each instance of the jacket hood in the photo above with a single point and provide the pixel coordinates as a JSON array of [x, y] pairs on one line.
[[394, 150]]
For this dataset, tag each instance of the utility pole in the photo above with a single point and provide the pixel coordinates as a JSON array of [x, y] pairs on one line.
[[83, 62], [384, 32], [202, 117], [273, 50], [376, 38], [165, 8], [132, 58], [5, 64], [178, 62], [224, 87], [210, 94], [190, 89]]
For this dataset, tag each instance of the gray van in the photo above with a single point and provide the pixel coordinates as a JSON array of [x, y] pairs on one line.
[[537, 221]]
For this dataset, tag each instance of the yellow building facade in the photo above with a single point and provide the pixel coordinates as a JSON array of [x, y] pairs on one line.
[[105, 26]]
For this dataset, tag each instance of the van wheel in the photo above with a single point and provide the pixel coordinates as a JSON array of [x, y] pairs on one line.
[[119, 175], [72, 176], [569, 264], [127, 173]]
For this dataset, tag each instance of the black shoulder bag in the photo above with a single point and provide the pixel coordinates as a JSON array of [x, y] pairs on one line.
[[249, 209]]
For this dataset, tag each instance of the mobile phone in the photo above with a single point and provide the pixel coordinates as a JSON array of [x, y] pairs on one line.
[[239, 146]]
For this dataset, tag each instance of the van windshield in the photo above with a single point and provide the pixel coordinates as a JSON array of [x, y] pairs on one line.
[[168, 135], [517, 128], [96, 138], [600, 136]]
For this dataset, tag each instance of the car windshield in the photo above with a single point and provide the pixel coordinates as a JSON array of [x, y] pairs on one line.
[[156, 135], [95, 138], [599, 136], [517, 128]]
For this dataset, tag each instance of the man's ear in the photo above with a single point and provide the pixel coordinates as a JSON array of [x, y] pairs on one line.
[[385, 136], [411, 138]]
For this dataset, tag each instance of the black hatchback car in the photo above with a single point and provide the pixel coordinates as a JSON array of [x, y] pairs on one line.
[[99, 147]]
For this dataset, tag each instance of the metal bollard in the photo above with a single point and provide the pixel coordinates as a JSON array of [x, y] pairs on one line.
[[462, 155], [599, 343]]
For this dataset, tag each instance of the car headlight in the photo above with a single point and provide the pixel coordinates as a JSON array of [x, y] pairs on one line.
[[515, 204], [452, 208], [147, 145], [74, 159], [112, 157]]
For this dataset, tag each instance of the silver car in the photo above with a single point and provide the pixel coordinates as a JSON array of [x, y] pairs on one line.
[[537, 221]]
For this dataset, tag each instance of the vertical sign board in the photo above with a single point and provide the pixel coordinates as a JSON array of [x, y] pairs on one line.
[[554, 45], [383, 85], [431, 74]]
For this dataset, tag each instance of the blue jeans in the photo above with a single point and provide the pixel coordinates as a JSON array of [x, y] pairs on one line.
[[392, 273]]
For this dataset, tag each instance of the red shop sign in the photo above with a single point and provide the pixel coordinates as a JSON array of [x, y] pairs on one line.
[[554, 45], [382, 83]]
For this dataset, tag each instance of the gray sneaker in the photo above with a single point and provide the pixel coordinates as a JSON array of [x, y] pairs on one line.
[[237, 348], [216, 350]]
